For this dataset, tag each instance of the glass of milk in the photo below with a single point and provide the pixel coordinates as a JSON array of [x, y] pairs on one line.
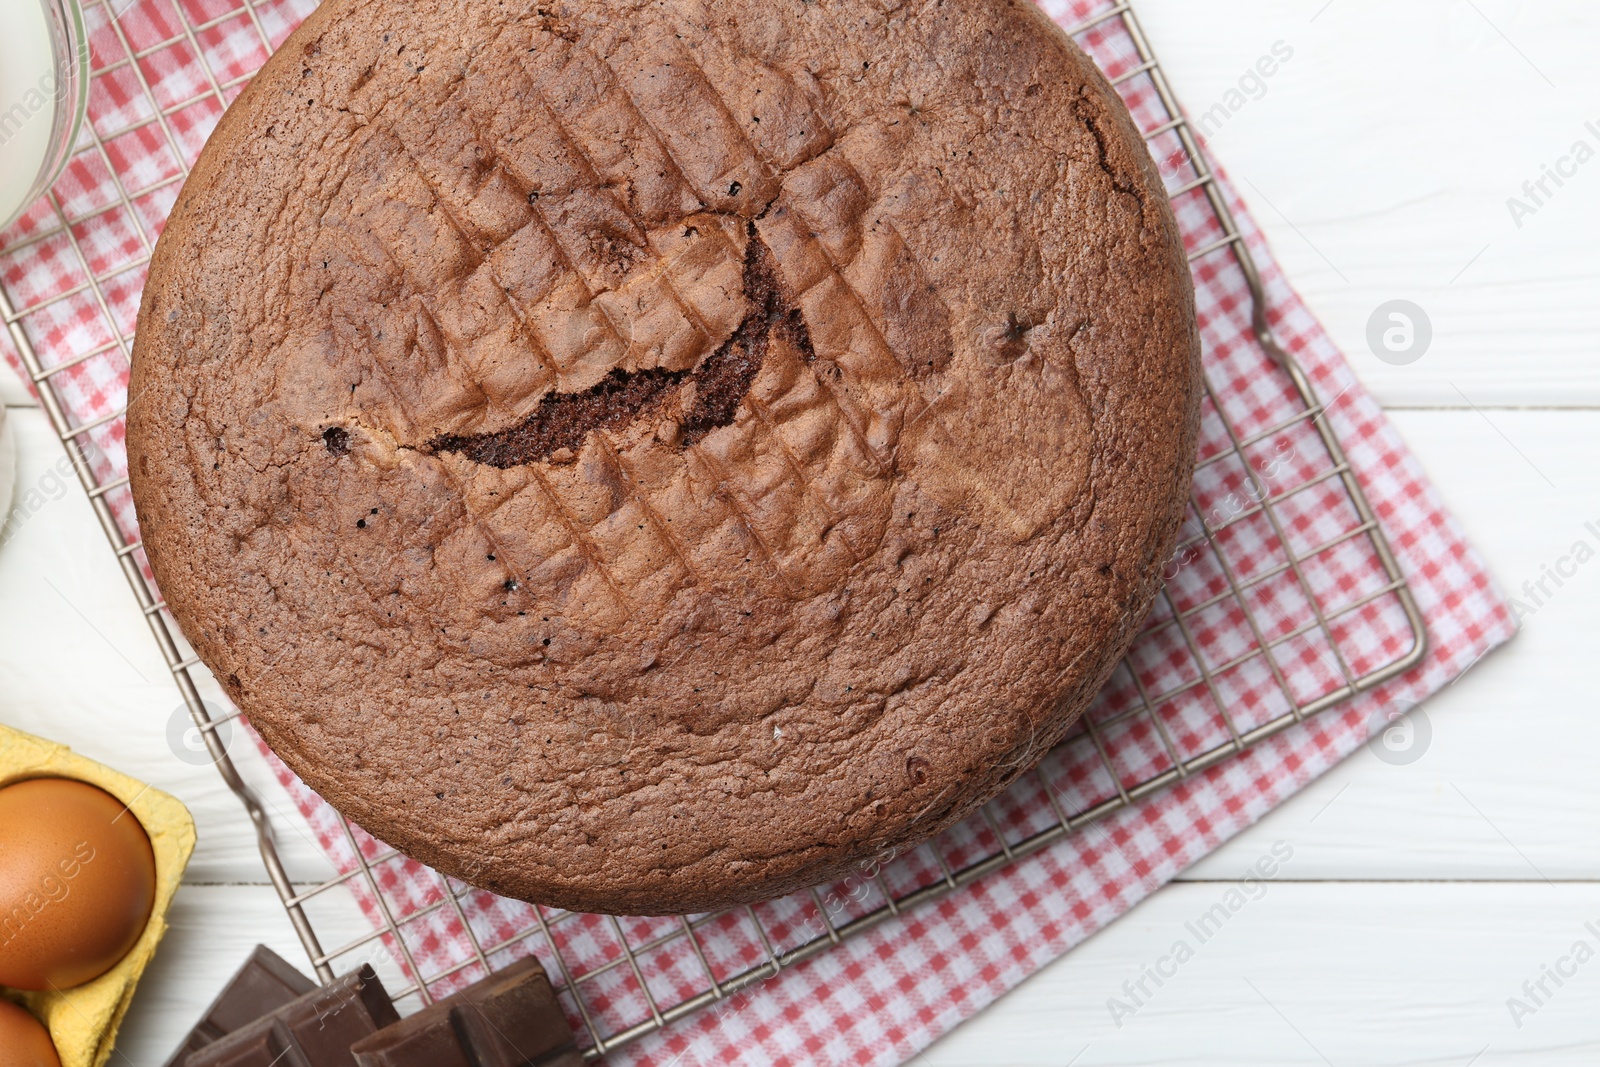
[[44, 73]]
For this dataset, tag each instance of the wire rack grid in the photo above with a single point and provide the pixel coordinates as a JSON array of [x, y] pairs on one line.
[[1281, 561]]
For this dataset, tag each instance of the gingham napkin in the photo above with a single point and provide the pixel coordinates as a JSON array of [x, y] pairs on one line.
[[164, 70]]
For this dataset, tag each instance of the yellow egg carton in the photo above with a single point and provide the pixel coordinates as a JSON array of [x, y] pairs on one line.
[[83, 1021]]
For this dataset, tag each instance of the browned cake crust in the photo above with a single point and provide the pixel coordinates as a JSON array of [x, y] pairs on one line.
[[643, 457]]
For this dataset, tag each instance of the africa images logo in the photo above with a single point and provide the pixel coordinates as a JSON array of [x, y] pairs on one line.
[[1538, 192], [52, 889], [1537, 593], [1399, 332], [1137, 993]]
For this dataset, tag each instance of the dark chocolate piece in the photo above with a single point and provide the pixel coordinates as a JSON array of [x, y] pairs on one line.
[[510, 1019], [264, 984], [315, 1030]]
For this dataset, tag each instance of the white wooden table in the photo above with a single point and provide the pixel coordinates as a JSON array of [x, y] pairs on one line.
[[1420, 898]]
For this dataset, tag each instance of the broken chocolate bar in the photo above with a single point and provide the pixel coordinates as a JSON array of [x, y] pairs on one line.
[[510, 1019], [264, 984], [314, 1030]]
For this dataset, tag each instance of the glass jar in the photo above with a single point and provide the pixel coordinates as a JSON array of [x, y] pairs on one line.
[[44, 93]]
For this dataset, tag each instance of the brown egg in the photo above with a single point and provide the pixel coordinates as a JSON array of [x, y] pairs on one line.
[[77, 882], [24, 1042]]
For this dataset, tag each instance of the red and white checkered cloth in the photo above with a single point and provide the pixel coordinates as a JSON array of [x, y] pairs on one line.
[[163, 70]]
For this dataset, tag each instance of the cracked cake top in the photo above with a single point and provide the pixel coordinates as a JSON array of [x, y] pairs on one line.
[[647, 456]]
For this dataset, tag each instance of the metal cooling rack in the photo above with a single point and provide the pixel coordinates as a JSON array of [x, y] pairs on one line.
[[997, 836]]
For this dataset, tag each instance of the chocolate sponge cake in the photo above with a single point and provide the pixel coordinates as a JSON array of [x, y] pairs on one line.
[[648, 456]]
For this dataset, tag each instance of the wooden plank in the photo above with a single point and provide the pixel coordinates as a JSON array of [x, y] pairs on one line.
[[1506, 788], [1314, 974], [12, 392], [1379, 160]]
